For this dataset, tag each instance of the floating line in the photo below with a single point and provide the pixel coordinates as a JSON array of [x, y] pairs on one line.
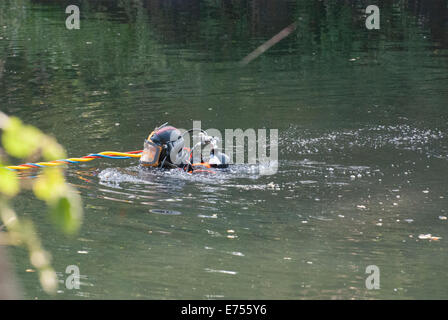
[[90, 157]]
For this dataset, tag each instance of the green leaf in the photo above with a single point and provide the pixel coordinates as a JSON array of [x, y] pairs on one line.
[[52, 150], [50, 184], [20, 140], [66, 212], [9, 184]]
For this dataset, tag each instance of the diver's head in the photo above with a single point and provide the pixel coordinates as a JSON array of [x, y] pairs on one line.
[[163, 148]]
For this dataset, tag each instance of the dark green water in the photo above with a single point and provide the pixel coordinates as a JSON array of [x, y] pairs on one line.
[[363, 146]]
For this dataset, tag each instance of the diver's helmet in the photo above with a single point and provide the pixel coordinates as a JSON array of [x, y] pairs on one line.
[[163, 148]]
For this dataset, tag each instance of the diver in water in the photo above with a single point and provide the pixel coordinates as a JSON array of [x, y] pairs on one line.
[[165, 148]]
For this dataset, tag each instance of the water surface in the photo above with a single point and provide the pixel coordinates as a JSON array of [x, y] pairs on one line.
[[363, 146]]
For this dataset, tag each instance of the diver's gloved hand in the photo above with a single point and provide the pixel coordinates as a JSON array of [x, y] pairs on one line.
[[206, 140]]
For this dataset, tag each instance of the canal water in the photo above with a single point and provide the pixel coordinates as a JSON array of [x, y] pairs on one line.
[[362, 148]]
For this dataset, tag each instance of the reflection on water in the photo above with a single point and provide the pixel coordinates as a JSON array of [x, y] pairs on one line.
[[363, 146]]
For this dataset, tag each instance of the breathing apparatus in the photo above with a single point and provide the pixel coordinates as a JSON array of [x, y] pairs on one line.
[[165, 148]]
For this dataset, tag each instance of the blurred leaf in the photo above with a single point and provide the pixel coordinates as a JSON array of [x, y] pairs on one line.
[[9, 184], [52, 150], [39, 258], [66, 212], [64, 203], [48, 280], [20, 140], [50, 184], [8, 215], [23, 232]]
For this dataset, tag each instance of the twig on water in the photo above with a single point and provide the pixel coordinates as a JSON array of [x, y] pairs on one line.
[[265, 46]]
